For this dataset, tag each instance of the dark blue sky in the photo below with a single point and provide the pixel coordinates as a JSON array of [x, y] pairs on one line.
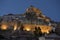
[[50, 8]]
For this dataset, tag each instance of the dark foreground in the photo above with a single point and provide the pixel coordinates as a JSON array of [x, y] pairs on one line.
[[22, 35]]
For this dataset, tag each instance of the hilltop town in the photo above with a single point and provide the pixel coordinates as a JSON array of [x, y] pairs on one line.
[[32, 22]]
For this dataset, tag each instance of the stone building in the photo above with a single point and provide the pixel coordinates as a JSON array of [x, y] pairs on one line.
[[30, 19]]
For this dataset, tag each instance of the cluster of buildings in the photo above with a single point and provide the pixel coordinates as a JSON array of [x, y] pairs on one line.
[[30, 19]]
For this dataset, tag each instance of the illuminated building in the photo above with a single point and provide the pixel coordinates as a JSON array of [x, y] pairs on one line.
[[32, 18]]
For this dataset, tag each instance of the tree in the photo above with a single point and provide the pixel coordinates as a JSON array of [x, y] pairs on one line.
[[37, 32], [22, 27]]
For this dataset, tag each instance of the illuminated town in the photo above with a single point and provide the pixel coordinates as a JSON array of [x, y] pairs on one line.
[[32, 22]]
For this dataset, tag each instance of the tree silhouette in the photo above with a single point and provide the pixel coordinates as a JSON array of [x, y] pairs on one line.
[[37, 32], [22, 27]]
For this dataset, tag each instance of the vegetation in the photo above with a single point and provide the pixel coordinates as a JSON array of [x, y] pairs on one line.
[[37, 32], [22, 27]]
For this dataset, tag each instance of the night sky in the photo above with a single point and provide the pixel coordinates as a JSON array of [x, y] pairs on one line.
[[50, 8]]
